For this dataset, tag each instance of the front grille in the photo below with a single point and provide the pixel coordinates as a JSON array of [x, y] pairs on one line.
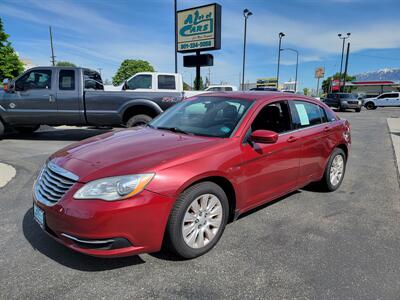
[[352, 102], [53, 183]]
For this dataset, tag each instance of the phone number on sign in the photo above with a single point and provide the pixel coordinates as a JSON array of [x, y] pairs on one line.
[[195, 45]]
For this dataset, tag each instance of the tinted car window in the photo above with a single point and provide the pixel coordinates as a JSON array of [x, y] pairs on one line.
[[66, 80], [140, 82], [34, 80], [306, 114], [92, 80], [274, 117], [166, 82]]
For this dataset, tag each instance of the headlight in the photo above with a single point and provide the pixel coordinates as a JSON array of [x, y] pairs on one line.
[[114, 188]]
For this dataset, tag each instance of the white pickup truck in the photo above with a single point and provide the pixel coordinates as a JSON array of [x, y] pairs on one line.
[[154, 82], [385, 99]]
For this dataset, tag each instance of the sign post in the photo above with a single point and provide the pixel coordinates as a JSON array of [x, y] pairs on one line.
[[319, 73], [199, 29]]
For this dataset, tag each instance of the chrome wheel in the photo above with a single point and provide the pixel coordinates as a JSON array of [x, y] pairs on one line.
[[336, 171], [202, 221]]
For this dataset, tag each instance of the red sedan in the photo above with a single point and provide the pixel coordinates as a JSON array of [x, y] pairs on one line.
[[193, 169]]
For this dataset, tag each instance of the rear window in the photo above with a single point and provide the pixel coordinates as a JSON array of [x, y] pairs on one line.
[[66, 80], [166, 82], [92, 80]]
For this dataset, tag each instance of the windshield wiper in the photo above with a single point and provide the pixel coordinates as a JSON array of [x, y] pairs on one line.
[[175, 129]]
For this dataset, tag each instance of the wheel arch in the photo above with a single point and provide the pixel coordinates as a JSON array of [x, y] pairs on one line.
[[140, 106], [226, 185]]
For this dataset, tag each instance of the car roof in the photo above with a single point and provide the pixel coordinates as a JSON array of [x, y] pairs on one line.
[[258, 95]]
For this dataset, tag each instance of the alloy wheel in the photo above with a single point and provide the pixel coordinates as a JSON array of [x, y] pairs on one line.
[[202, 221], [336, 171]]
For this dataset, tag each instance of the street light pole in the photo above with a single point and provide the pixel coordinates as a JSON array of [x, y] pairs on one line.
[[341, 60], [176, 33], [246, 14], [297, 65], [281, 35]]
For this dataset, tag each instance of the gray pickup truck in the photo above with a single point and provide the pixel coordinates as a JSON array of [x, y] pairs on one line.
[[76, 96]]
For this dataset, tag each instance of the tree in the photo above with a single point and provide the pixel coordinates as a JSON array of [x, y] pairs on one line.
[[186, 87], [65, 64], [130, 67], [305, 91], [201, 83], [10, 64], [326, 84]]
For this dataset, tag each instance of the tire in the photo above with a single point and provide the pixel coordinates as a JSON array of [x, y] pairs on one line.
[[370, 105], [2, 129], [27, 129], [341, 108], [198, 224], [358, 109], [138, 120], [328, 183]]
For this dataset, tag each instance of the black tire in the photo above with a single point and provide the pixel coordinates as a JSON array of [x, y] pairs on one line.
[[174, 236], [2, 129], [358, 109], [325, 182], [138, 120], [27, 129], [370, 105], [341, 108]]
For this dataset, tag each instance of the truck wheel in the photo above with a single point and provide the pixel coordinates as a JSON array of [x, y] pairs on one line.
[[2, 129], [138, 120], [27, 129], [370, 106]]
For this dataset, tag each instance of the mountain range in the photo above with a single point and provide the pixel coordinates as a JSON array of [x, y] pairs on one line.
[[383, 74]]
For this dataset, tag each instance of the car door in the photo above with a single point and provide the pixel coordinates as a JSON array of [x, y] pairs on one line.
[[269, 170], [382, 100], [67, 97], [394, 100], [33, 101], [316, 136]]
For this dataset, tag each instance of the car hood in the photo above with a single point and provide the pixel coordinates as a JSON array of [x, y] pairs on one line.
[[130, 151]]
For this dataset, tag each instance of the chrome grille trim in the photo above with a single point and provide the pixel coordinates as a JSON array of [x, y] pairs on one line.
[[53, 183]]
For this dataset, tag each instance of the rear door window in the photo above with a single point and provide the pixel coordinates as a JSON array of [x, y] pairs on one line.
[[166, 82], [305, 114], [66, 80]]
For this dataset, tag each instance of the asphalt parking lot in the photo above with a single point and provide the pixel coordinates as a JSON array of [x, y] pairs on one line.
[[309, 244]]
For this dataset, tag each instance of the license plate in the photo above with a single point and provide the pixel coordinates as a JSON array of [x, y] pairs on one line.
[[38, 215]]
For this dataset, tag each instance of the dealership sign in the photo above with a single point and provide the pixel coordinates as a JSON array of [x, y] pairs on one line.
[[199, 28]]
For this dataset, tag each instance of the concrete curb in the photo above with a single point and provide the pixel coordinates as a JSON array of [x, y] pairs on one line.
[[394, 129], [7, 173]]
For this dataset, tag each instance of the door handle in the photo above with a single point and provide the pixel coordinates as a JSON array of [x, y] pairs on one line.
[[326, 129], [52, 99], [292, 139]]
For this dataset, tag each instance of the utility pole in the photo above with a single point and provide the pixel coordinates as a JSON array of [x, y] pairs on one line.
[[341, 60], [209, 76], [246, 14], [53, 58], [346, 65], [176, 34]]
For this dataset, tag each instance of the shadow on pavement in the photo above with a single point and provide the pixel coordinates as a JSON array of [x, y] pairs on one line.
[[57, 134], [41, 242]]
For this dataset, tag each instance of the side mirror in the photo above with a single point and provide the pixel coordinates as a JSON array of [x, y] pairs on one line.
[[264, 137]]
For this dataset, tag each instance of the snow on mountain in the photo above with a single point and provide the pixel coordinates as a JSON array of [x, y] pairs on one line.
[[383, 74]]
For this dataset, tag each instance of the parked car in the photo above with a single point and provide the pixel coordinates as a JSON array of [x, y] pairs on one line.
[[269, 89], [343, 101], [221, 88], [202, 163], [383, 100], [75, 96]]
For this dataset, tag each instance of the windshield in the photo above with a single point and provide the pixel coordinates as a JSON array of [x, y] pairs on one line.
[[205, 116], [348, 96]]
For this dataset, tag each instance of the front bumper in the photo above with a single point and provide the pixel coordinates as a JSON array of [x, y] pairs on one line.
[[108, 229], [347, 105]]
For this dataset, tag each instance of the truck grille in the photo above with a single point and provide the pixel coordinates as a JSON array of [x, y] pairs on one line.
[[53, 183], [352, 102]]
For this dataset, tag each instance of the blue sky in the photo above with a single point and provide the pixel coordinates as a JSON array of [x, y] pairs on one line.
[[100, 34]]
